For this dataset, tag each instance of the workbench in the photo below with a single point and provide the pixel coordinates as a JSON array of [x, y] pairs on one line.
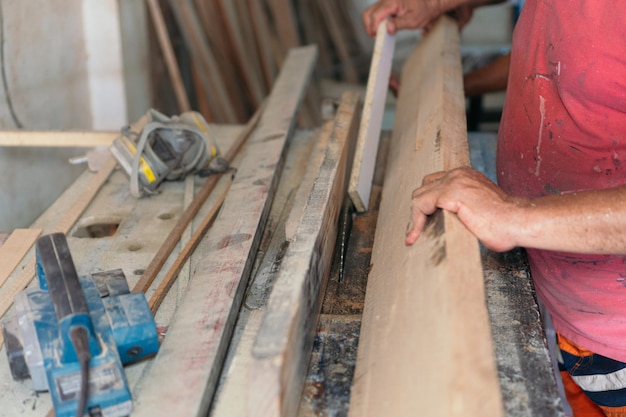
[[523, 366]]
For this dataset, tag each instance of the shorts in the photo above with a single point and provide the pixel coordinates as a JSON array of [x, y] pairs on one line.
[[594, 384]]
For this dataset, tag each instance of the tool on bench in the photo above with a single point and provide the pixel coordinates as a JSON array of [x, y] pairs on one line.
[[167, 148], [72, 335]]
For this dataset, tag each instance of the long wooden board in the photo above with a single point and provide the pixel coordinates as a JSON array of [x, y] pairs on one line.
[[224, 107], [56, 139], [168, 54], [425, 345], [283, 345], [192, 354], [360, 186]]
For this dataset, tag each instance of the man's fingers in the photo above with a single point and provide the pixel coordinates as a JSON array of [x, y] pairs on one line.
[[415, 227], [373, 15]]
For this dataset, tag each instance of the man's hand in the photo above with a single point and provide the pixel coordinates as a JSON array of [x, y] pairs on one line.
[[487, 211], [403, 14]]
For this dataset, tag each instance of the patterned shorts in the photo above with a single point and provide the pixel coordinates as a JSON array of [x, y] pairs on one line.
[[594, 384]]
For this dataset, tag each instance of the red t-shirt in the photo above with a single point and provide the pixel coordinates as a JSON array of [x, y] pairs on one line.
[[563, 129]]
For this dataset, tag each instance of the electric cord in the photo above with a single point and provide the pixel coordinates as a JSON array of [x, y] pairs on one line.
[[80, 341], [5, 83]]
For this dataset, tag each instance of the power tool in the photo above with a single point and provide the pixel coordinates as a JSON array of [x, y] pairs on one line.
[[167, 148], [72, 335]]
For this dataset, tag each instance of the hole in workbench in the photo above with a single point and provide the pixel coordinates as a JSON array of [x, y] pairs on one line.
[[138, 271], [97, 228], [165, 216], [134, 247]]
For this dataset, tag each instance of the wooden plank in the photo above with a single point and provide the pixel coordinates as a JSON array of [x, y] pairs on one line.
[[425, 345], [193, 351], [223, 107], [14, 249], [284, 19], [244, 51], [283, 345], [263, 40], [329, 12], [230, 398], [222, 51], [168, 53], [360, 186], [50, 138]]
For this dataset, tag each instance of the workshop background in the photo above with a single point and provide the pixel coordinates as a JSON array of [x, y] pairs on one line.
[[96, 65]]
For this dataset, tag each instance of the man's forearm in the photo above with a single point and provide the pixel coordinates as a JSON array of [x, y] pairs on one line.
[[584, 222]]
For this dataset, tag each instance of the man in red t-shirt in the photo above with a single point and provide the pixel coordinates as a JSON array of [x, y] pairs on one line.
[[562, 194]]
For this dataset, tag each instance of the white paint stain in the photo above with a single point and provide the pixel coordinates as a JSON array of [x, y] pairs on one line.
[[542, 110]]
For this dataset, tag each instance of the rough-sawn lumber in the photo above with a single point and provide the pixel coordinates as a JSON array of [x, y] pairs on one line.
[[360, 186], [425, 345], [284, 342], [184, 374]]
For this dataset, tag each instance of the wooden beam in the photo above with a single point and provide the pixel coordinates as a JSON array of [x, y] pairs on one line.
[[244, 50], [425, 345], [168, 53], [360, 186], [223, 107], [285, 340], [56, 139], [337, 33], [192, 354]]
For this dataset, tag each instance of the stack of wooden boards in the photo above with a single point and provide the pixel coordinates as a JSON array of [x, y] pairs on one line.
[[236, 48], [425, 346]]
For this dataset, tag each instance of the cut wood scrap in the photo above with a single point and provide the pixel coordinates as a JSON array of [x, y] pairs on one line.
[[283, 345], [168, 53], [14, 249], [244, 51], [223, 107], [425, 345], [193, 351], [51, 138], [362, 174]]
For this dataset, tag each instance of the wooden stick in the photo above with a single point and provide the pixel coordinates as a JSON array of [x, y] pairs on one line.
[[362, 174], [14, 249], [167, 282], [168, 53], [57, 139], [147, 278], [425, 343]]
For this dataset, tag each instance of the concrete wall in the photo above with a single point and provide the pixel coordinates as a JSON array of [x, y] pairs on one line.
[[66, 64]]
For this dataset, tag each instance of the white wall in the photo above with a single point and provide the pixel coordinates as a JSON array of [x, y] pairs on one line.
[[66, 67]]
